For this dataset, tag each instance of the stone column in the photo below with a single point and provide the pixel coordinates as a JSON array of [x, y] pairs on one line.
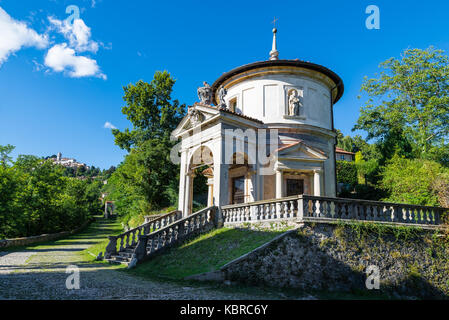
[[317, 182], [187, 208], [182, 182], [210, 192], [251, 181], [279, 183]]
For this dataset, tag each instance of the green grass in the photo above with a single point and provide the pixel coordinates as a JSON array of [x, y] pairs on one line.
[[89, 233], [207, 252], [98, 236]]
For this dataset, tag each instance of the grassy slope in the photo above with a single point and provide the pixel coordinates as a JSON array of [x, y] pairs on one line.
[[207, 252], [90, 234], [100, 239]]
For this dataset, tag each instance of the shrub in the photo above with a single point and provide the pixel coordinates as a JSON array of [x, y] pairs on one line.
[[346, 173], [415, 181]]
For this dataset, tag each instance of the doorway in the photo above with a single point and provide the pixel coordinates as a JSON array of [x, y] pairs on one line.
[[238, 190], [295, 187]]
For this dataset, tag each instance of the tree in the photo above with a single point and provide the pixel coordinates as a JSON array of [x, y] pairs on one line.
[[4, 154], [151, 111], [36, 197], [408, 105], [413, 181], [147, 179]]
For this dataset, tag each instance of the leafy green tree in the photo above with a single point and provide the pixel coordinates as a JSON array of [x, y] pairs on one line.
[[346, 172], [4, 154], [408, 105], [147, 179], [412, 181], [36, 197], [151, 111], [357, 143]]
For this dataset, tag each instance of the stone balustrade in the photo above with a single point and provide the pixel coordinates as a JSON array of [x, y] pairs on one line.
[[129, 238], [163, 238], [305, 207], [314, 208], [265, 210]]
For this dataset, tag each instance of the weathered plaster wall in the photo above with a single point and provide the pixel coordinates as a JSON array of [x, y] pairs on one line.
[[326, 257]]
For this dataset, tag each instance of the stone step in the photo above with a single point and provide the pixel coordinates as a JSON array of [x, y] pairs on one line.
[[125, 254], [120, 258]]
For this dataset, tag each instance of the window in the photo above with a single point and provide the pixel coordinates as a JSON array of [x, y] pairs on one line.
[[342, 157], [238, 190], [295, 187], [233, 104]]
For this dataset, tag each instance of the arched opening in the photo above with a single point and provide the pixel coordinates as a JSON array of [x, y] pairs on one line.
[[200, 184]]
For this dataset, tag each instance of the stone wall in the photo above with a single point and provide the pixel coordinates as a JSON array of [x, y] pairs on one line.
[[24, 241], [334, 257]]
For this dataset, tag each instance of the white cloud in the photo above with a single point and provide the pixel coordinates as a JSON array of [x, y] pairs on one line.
[[15, 34], [61, 58], [109, 125], [78, 34]]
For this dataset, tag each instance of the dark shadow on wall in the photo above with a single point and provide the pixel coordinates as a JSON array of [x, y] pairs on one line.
[[315, 260]]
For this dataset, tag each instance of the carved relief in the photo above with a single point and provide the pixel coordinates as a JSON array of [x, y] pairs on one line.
[[294, 103], [205, 93], [195, 117]]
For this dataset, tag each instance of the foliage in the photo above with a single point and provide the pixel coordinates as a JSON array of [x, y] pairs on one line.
[[356, 144], [4, 155], [37, 198], [346, 172], [366, 169], [147, 179], [150, 110], [413, 181], [441, 187], [408, 105]]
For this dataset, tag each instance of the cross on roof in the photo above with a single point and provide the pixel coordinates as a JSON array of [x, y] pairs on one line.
[[274, 22]]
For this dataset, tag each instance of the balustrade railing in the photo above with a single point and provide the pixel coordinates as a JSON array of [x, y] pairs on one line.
[[163, 238], [305, 207], [131, 237], [265, 210], [355, 209], [162, 232]]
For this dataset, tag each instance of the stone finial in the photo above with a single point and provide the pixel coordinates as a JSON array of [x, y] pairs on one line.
[[274, 54]]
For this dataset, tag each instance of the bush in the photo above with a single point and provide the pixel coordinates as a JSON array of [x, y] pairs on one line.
[[414, 181], [36, 198], [346, 173]]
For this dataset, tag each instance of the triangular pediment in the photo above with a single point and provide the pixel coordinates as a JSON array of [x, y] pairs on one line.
[[300, 151], [195, 116]]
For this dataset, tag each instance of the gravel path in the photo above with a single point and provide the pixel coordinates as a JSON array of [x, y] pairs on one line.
[[40, 273]]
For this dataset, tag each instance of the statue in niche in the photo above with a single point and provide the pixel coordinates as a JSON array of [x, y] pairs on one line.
[[221, 96], [205, 93], [293, 103], [195, 117]]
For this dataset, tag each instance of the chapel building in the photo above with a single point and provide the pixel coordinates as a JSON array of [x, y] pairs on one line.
[[264, 130]]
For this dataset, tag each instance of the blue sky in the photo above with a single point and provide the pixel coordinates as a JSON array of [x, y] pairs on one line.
[[52, 100]]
